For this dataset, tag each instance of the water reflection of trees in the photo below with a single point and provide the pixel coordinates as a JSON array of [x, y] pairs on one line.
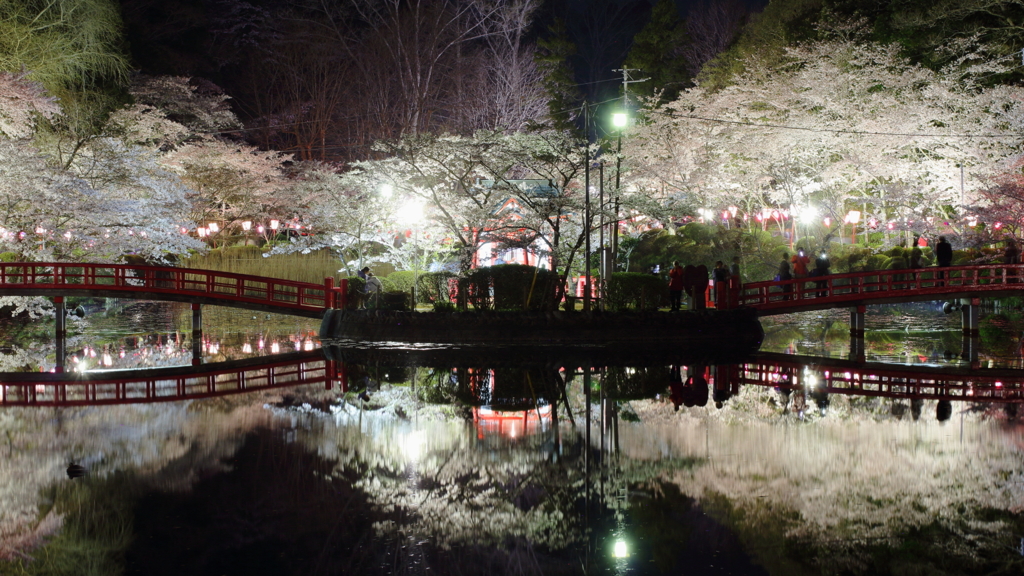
[[855, 497]]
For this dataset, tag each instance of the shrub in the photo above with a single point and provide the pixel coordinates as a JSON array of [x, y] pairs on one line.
[[434, 288], [510, 287], [403, 280], [638, 291]]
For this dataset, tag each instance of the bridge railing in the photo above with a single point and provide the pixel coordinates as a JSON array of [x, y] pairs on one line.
[[887, 382], [166, 280], [880, 283], [119, 389]]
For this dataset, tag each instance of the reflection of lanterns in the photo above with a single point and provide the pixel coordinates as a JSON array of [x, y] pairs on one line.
[[247, 348], [275, 348]]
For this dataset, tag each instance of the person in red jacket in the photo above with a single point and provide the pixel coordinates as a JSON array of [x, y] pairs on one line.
[[675, 286], [800, 262]]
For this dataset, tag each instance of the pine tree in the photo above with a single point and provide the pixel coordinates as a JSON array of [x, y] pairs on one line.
[[656, 53], [552, 59]]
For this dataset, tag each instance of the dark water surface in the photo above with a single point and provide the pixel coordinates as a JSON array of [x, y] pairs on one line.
[[508, 464]]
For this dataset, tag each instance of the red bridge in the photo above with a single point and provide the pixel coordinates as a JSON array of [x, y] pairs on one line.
[[169, 384], [877, 287], [784, 371], [166, 283], [847, 377]]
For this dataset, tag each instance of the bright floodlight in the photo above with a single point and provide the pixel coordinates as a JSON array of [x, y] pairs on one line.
[[386, 190], [808, 214], [620, 550], [619, 119], [410, 213]]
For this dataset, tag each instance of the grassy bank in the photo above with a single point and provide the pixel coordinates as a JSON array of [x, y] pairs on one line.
[[312, 267]]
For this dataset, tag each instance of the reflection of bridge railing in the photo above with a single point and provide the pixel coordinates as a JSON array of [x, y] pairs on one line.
[[166, 384], [882, 380], [165, 283], [879, 286]]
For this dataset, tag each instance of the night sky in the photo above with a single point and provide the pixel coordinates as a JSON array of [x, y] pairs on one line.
[[208, 37]]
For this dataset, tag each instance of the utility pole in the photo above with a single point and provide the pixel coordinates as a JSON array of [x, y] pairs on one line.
[[626, 81]]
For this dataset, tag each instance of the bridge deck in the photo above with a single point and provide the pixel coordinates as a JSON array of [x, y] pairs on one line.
[[880, 287], [166, 283]]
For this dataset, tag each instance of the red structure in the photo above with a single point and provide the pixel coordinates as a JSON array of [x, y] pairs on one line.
[[849, 378], [169, 384], [165, 283], [879, 287]]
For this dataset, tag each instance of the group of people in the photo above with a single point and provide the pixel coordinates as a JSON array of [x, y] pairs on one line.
[[693, 280], [372, 286], [797, 267]]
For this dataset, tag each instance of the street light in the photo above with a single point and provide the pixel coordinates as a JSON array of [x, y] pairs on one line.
[[619, 120], [411, 214]]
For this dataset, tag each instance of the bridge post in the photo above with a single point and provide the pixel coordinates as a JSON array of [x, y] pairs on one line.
[[857, 321], [60, 329], [970, 311], [857, 352], [330, 373], [329, 293], [197, 334]]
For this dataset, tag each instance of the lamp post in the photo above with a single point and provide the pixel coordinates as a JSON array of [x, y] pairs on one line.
[[411, 214], [620, 120]]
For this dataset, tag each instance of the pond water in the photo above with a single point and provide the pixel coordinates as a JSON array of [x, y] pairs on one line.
[[508, 462]]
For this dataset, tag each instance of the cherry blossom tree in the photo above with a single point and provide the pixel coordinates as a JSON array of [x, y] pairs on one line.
[[846, 122]]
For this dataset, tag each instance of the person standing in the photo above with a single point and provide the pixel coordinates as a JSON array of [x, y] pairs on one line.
[[800, 262], [943, 256], [1011, 256], [822, 267], [373, 289], [720, 280], [784, 275], [675, 286]]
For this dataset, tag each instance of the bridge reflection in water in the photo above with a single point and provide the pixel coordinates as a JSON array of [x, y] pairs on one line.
[[516, 389]]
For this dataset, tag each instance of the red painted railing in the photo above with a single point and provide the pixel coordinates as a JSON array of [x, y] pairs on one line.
[[138, 387], [880, 284], [178, 283], [890, 381]]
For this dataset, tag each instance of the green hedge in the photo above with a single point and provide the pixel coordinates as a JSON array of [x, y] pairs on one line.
[[631, 290], [509, 287], [433, 288]]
